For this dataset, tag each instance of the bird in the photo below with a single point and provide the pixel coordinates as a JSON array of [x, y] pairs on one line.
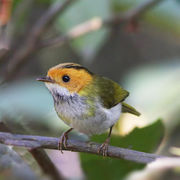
[[85, 101]]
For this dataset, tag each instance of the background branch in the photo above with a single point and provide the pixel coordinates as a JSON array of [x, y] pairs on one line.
[[141, 9], [47, 18], [45, 163], [30, 46], [97, 23], [22, 55], [29, 141]]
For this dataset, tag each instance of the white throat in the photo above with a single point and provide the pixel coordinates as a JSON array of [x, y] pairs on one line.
[[58, 92]]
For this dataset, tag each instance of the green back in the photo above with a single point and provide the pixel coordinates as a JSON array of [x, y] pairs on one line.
[[110, 94], [109, 91]]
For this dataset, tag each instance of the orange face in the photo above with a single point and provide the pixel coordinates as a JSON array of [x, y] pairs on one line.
[[71, 76]]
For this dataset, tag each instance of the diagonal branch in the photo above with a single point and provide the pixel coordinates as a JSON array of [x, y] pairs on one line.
[[29, 141], [141, 9], [46, 20], [95, 24], [30, 46], [45, 163], [22, 55]]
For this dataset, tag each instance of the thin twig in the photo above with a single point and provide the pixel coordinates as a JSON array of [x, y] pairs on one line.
[[29, 47], [45, 21], [29, 141], [45, 163], [32, 45], [96, 23], [141, 9], [79, 30]]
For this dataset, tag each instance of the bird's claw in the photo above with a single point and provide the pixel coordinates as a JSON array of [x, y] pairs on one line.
[[104, 148], [63, 142]]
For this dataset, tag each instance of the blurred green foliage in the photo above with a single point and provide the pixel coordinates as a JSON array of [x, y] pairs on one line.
[[145, 139], [15, 4]]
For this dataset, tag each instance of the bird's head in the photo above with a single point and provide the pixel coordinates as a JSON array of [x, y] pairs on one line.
[[67, 79]]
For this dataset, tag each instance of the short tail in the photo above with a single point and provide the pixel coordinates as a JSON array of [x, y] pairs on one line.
[[126, 108]]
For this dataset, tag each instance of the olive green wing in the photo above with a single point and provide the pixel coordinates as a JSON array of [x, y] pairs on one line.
[[126, 108], [109, 91], [112, 94]]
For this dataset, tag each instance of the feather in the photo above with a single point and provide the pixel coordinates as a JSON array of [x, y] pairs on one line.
[[126, 108]]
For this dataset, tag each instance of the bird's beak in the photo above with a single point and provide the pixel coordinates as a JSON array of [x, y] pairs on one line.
[[45, 79]]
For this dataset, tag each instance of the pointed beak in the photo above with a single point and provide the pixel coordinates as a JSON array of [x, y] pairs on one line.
[[45, 79]]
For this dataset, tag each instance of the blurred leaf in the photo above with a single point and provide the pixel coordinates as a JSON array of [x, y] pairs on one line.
[[145, 139], [80, 12]]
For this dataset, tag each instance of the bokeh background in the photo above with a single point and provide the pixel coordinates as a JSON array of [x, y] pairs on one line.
[[134, 42]]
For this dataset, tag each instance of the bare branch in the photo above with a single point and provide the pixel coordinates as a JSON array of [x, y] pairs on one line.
[[141, 9], [44, 21], [29, 141], [33, 44], [97, 23], [79, 30], [30, 46]]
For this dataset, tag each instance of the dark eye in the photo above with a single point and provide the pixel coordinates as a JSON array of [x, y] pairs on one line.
[[66, 78]]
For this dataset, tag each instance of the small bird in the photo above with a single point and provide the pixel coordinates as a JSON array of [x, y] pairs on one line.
[[86, 102]]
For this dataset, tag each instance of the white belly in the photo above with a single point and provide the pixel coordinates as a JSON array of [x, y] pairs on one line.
[[103, 120]]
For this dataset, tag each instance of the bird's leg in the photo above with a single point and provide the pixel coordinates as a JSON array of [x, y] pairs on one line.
[[104, 146], [63, 140]]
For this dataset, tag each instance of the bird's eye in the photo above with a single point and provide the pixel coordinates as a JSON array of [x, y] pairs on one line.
[[66, 78]]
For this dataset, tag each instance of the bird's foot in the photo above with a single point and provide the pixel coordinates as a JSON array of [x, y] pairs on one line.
[[63, 142], [104, 148]]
